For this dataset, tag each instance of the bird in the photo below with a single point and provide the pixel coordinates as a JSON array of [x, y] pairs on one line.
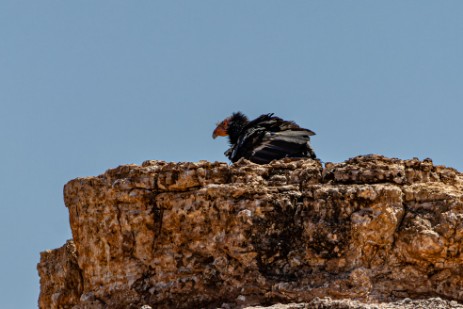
[[264, 139]]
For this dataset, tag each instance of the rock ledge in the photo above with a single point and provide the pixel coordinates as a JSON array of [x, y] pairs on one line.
[[185, 235]]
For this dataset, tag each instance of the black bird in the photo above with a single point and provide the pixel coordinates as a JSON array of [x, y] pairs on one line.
[[264, 139]]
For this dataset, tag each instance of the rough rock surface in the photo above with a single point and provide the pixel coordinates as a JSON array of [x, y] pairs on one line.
[[190, 235], [328, 303]]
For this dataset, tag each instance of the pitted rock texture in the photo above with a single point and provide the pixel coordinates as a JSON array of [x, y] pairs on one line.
[[328, 303], [191, 235]]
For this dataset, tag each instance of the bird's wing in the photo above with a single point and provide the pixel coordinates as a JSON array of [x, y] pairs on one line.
[[274, 124], [276, 145], [268, 138]]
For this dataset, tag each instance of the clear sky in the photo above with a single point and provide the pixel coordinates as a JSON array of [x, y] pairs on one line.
[[90, 85]]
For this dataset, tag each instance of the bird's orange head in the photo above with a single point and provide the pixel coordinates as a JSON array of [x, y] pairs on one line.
[[221, 129]]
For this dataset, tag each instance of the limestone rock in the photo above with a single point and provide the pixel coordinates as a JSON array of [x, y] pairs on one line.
[[328, 303], [190, 235], [60, 278]]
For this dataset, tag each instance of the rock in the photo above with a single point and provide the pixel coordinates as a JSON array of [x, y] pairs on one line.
[[328, 303], [61, 283], [189, 235]]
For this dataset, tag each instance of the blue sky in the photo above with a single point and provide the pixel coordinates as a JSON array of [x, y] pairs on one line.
[[90, 85]]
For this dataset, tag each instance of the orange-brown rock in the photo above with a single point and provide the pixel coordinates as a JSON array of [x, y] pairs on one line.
[[190, 235]]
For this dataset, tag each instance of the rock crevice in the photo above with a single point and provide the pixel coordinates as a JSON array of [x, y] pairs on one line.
[[205, 234]]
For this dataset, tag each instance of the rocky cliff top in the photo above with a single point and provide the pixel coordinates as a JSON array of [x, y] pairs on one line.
[[186, 235]]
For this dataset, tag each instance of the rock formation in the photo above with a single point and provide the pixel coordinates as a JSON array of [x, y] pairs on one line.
[[191, 235]]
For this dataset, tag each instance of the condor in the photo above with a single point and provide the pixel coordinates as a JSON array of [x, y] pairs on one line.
[[264, 139]]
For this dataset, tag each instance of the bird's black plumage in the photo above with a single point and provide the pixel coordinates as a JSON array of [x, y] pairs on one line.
[[265, 138]]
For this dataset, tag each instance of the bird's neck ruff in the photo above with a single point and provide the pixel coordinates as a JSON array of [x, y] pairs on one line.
[[236, 124]]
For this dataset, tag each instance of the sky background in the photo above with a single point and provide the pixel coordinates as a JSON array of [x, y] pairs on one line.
[[89, 85]]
